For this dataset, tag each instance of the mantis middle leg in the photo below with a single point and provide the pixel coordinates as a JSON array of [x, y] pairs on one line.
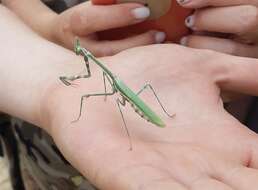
[[67, 79], [90, 95]]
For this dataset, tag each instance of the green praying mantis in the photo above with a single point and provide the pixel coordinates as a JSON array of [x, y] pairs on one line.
[[118, 86]]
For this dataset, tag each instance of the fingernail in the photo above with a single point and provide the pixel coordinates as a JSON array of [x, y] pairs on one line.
[[160, 37], [189, 21], [141, 13], [184, 41], [182, 2]]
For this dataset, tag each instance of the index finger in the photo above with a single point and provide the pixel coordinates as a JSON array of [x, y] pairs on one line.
[[87, 18], [215, 3]]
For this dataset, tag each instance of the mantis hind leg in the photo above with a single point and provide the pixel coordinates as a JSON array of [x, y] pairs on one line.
[[88, 96], [68, 79], [157, 98], [119, 104]]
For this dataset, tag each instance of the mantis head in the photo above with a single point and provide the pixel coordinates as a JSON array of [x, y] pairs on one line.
[[77, 46]]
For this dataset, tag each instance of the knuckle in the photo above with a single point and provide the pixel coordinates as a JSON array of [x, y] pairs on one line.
[[248, 19], [61, 31], [106, 51], [150, 37], [81, 21], [76, 17], [64, 27]]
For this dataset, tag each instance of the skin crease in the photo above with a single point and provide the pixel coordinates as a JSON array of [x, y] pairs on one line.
[[203, 147], [236, 22]]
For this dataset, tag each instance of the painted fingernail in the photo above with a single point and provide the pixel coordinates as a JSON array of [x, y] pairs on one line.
[[141, 13], [160, 37], [184, 41], [182, 2], [189, 21]]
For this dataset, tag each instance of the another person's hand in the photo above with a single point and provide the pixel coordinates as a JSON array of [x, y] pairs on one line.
[[202, 147], [229, 26], [85, 20]]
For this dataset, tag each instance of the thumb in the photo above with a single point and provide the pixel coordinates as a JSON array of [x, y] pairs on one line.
[[241, 75]]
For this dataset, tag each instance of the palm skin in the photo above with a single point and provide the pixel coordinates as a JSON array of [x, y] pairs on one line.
[[202, 147]]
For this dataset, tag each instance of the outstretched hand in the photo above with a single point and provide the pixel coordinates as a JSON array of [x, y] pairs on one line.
[[203, 147]]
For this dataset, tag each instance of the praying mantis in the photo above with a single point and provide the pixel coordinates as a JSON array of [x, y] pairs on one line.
[[118, 86]]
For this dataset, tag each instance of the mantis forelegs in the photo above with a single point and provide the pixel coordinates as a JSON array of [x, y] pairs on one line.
[[157, 98], [66, 80]]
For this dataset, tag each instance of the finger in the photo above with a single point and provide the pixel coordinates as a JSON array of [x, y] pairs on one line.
[[87, 18], [240, 74], [206, 3], [210, 184], [107, 48], [240, 20], [221, 45], [241, 178]]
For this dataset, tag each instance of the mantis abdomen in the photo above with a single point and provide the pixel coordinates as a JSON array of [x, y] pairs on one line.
[[138, 104]]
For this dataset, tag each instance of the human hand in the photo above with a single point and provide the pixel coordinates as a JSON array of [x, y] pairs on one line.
[[188, 154], [86, 20], [187, 82], [228, 26]]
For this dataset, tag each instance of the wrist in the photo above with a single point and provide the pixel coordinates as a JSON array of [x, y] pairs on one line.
[[59, 103], [50, 105], [60, 106]]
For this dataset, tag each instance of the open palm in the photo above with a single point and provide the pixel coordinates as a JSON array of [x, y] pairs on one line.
[[202, 147]]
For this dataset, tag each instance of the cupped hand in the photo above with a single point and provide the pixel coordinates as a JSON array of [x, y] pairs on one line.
[[228, 26], [86, 20], [202, 147]]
